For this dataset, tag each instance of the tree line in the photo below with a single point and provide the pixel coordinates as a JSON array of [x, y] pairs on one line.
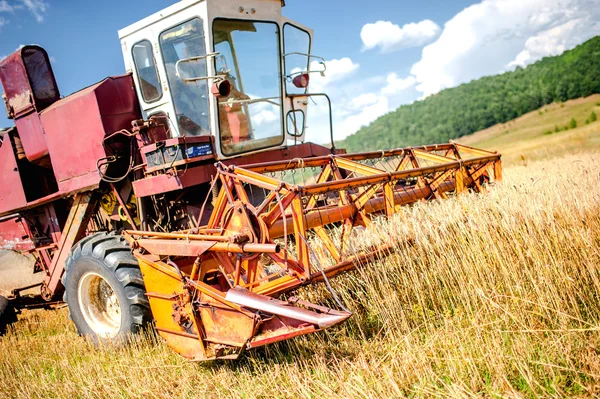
[[477, 105]]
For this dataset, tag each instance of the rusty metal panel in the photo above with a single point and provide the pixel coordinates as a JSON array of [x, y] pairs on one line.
[[76, 126], [29, 87], [117, 103], [163, 291], [17, 90], [28, 81], [163, 183], [32, 136], [304, 150], [13, 235], [225, 326], [166, 182], [12, 195]]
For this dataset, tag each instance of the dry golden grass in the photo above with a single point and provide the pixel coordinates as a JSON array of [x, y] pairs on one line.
[[497, 295], [533, 137]]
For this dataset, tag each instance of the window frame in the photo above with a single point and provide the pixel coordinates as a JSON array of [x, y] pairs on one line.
[[282, 90], [160, 46], [137, 72], [285, 52]]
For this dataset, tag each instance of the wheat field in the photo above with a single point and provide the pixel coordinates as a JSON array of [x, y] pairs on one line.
[[487, 295]]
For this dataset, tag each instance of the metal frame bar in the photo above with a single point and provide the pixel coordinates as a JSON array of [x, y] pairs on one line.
[[272, 248]]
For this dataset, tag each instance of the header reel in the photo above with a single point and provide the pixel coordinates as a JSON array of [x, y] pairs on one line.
[[212, 289]]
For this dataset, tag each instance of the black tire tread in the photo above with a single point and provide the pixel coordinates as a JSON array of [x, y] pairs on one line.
[[112, 250], [7, 314]]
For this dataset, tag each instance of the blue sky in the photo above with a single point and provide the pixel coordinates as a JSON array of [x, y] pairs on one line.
[[380, 54]]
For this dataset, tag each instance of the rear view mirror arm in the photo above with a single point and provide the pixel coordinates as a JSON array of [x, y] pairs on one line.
[[196, 58], [291, 75]]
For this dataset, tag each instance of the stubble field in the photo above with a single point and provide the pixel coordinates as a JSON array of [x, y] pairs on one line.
[[494, 295]]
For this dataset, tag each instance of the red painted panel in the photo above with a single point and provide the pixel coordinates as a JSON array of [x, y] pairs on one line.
[[76, 126], [29, 86], [118, 103], [203, 174], [32, 136], [16, 84], [164, 183], [12, 195], [13, 236], [28, 80]]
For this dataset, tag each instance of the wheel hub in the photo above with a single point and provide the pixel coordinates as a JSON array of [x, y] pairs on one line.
[[99, 305]]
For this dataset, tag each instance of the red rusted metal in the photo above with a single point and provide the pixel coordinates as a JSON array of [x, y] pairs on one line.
[[197, 175], [77, 125], [276, 240], [185, 144], [255, 343], [181, 179], [13, 235], [73, 129], [74, 230], [30, 87], [12, 195]]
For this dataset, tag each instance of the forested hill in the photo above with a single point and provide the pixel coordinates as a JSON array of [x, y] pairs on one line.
[[473, 106]]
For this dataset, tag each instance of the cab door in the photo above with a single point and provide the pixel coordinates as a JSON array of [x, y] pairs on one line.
[[151, 85], [174, 49], [297, 46]]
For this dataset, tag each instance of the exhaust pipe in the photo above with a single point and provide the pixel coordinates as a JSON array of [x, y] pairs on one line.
[[325, 318]]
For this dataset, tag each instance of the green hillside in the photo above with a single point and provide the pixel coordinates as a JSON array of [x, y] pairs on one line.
[[482, 103], [552, 131]]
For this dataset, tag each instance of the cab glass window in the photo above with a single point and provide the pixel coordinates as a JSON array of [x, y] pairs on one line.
[[296, 46], [250, 118], [145, 68], [184, 54]]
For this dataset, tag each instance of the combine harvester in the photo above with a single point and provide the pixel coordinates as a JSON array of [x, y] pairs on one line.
[[183, 193]]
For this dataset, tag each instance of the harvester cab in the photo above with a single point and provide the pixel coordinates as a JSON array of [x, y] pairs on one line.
[[182, 193], [236, 70]]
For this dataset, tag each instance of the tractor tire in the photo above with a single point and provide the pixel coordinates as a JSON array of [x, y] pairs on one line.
[[7, 314], [104, 289]]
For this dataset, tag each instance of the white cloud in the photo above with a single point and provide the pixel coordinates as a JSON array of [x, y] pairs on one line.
[[3, 21], [364, 100], [5, 7], [396, 85], [265, 116], [355, 102], [493, 35], [484, 39], [550, 42], [334, 84], [37, 8], [336, 71], [391, 37], [363, 115]]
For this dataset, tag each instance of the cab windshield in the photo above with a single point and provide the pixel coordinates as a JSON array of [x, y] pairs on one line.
[[250, 118], [183, 52]]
